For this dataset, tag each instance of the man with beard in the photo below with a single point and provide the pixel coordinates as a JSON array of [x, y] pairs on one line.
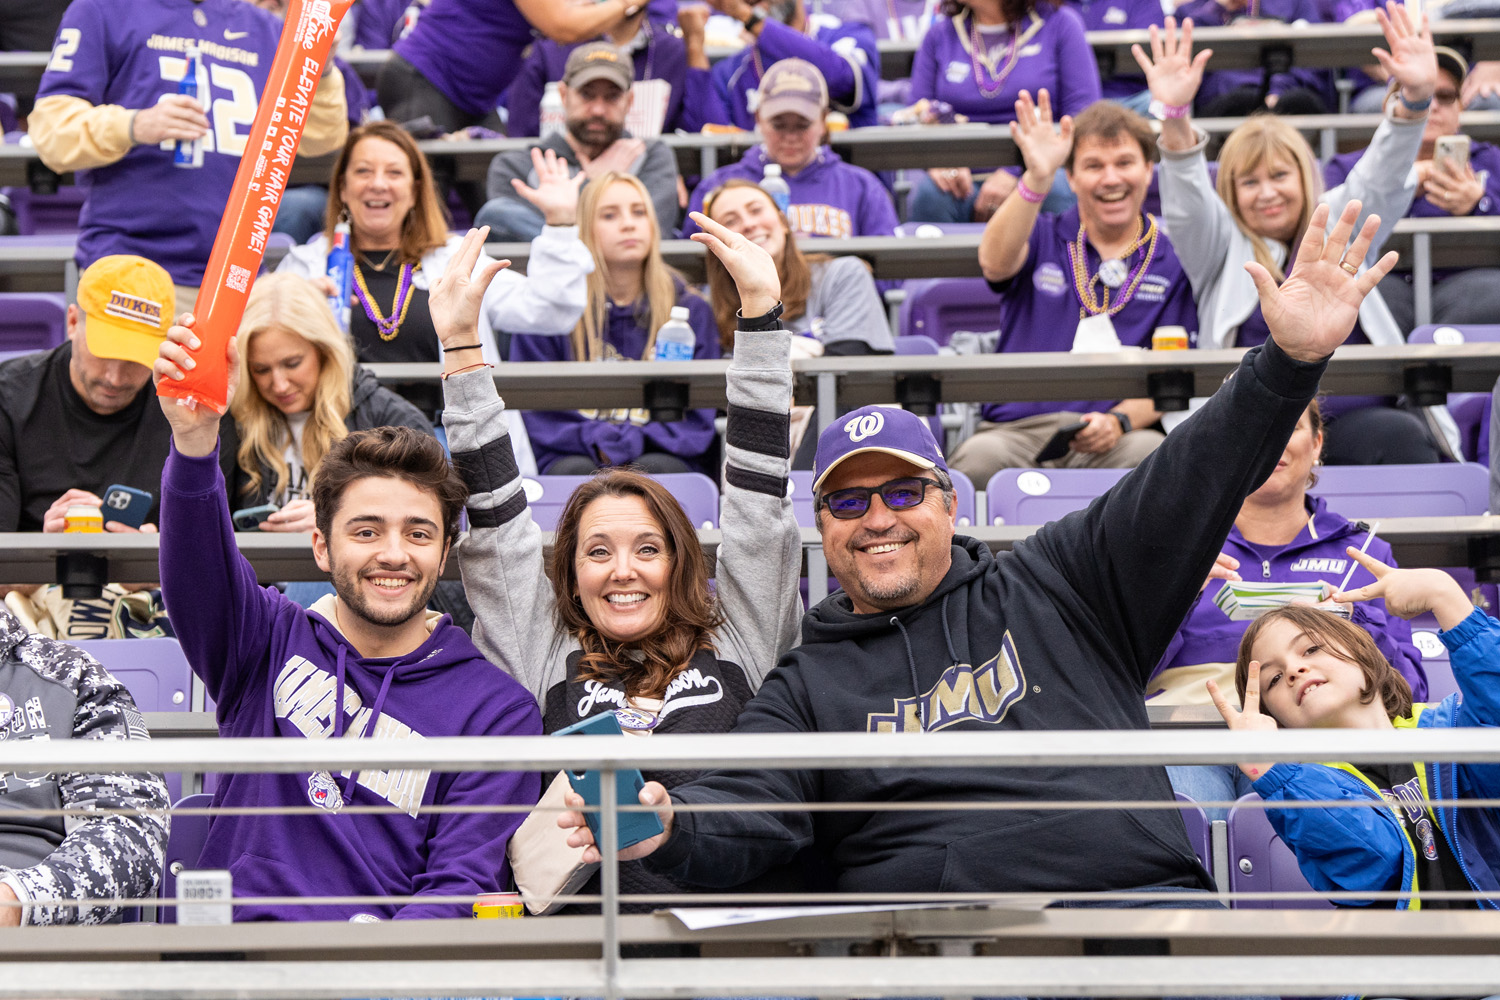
[[596, 97], [367, 661]]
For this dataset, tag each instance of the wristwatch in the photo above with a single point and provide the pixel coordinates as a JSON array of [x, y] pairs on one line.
[[1125, 425], [753, 19]]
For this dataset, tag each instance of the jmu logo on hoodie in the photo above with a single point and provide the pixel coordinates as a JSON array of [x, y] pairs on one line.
[[962, 694]]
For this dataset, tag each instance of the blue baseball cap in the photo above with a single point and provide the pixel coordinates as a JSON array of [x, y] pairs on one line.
[[876, 428]]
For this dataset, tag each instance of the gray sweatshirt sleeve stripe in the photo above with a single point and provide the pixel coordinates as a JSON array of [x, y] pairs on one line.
[[759, 431], [759, 482], [508, 510], [489, 467]]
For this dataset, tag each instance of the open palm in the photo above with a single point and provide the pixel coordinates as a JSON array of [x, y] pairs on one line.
[[1314, 310], [1173, 73], [1043, 148]]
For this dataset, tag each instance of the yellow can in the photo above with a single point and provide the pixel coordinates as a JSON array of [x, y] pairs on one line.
[[1169, 338], [83, 518], [499, 905]]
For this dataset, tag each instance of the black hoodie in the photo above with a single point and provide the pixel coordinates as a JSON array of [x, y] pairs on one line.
[[1060, 633]]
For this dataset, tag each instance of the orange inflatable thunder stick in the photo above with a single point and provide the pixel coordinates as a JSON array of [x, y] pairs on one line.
[[306, 38]]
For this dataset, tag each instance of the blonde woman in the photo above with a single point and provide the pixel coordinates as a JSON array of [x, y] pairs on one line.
[[1267, 189], [303, 392], [631, 293]]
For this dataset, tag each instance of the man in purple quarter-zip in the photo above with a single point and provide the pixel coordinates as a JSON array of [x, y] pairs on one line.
[[366, 661]]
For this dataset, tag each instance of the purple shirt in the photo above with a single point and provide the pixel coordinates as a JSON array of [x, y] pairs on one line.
[[845, 55], [905, 20], [142, 204], [1053, 54], [1317, 553], [829, 197], [1039, 306], [273, 669], [662, 57], [468, 49], [1116, 15], [621, 436], [377, 21], [1219, 82]]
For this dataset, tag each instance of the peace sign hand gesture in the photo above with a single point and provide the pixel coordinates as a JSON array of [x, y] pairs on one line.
[[1410, 592], [1248, 719]]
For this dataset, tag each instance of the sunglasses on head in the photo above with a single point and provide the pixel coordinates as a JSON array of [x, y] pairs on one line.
[[898, 494]]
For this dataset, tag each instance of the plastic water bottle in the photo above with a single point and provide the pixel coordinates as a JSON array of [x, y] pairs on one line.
[[675, 340], [189, 152], [771, 183], [553, 119], [341, 273]]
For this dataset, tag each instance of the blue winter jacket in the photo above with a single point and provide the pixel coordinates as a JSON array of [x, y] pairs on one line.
[[1346, 849]]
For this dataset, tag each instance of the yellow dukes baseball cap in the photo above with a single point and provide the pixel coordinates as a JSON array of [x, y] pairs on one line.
[[129, 302]]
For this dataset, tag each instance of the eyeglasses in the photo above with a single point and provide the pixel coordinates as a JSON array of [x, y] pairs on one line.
[[898, 494], [1445, 97]]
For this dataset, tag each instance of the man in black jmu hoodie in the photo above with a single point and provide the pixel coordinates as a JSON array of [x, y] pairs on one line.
[[932, 632]]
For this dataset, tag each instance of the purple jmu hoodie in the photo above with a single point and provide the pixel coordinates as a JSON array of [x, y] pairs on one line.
[[662, 56], [275, 669], [620, 437], [468, 49], [829, 197], [1218, 82], [1317, 553], [845, 55]]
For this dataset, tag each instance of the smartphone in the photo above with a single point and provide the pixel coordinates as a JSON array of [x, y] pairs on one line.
[[634, 826], [1057, 447], [1451, 147], [250, 518], [127, 505]]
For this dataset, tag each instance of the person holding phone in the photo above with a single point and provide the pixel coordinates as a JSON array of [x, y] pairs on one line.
[[79, 418], [629, 623], [304, 393], [1456, 176]]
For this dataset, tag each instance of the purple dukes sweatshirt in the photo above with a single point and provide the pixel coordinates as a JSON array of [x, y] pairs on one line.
[[845, 55], [621, 436], [829, 197], [275, 669]]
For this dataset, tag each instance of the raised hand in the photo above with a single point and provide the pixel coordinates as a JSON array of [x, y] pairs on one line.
[[455, 297], [1043, 148], [1248, 719], [753, 270], [1410, 61], [195, 428], [555, 194], [653, 793], [1410, 592], [1315, 308], [1173, 73]]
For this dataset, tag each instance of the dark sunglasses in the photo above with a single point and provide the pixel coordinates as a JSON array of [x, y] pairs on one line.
[[898, 494]]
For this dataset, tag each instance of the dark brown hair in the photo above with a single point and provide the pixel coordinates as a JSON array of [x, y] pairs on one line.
[[1343, 639], [644, 667], [1315, 418], [1108, 121], [1012, 10], [426, 225], [796, 276], [391, 453]]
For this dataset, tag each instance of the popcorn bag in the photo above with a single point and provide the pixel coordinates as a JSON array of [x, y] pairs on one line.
[[307, 36]]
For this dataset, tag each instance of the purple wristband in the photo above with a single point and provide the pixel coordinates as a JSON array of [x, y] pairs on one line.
[[1174, 110], [1028, 195]]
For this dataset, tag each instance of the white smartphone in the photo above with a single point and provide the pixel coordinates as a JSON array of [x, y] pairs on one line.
[[1451, 147]]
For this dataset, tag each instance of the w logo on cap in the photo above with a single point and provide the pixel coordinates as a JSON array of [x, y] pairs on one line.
[[864, 426]]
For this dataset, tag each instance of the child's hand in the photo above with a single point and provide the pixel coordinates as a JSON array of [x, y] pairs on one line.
[[1249, 719], [1409, 592]]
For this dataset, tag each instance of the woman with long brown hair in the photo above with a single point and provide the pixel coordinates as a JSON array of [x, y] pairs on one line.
[[628, 623]]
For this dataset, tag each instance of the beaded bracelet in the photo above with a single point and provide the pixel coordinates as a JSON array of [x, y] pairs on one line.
[[467, 368], [1028, 195]]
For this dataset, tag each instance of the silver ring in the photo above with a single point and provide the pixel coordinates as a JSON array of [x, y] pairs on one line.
[[1351, 268], [952, 173]]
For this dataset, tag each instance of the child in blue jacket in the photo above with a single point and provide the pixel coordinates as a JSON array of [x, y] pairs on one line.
[[1301, 668]]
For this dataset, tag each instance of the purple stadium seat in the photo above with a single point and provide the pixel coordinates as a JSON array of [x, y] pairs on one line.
[[548, 495], [800, 482], [1260, 862], [41, 214], [155, 671], [1036, 496], [1470, 410], [1196, 821], [913, 344], [1373, 491], [936, 307], [32, 321], [184, 846]]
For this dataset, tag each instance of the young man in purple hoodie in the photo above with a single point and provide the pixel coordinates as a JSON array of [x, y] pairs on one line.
[[368, 661]]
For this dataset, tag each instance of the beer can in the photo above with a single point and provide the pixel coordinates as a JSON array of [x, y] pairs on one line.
[[1169, 338], [83, 518], [499, 905]]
